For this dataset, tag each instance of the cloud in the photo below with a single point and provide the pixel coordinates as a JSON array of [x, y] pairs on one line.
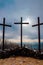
[[0, 34], [25, 40], [12, 10]]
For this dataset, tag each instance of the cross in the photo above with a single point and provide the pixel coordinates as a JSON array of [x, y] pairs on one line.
[[21, 29], [38, 32], [4, 31]]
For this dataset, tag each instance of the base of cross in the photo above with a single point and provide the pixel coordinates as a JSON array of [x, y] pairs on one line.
[[20, 52]]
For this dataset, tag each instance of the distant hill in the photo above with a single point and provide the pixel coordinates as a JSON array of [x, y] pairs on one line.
[[33, 45]]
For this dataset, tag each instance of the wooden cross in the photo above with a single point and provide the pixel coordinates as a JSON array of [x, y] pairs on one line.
[[4, 31], [21, 29], [38, 32]]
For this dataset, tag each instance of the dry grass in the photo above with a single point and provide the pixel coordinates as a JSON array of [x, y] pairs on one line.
[[21, 61]]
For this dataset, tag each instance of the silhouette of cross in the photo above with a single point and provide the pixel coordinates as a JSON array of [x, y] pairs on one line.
[[4, 31], [38, 32], [21, 29]]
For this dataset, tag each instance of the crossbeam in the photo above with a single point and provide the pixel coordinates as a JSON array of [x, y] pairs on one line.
[[37, 24], [6, 25], [21, 23]]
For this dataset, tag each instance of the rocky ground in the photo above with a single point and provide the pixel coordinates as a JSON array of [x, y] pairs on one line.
[[20, 61]]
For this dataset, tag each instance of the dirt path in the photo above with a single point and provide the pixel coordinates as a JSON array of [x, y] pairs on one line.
[[20, 61]]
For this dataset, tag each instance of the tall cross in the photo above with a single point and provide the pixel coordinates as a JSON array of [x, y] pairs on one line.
[[4, 31], [21, 29], [38, 32]]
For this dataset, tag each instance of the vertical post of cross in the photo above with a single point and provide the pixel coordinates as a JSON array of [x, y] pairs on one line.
[[21, 32], [4, 25], [39, 34], [39, 46], [3, 33]]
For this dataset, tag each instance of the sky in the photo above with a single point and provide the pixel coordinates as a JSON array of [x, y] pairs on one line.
[[29, 10]]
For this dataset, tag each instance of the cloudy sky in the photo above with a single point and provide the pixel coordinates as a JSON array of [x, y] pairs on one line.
[[13, 10]]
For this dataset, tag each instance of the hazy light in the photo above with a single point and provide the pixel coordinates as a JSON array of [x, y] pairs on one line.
[[27, 20]]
